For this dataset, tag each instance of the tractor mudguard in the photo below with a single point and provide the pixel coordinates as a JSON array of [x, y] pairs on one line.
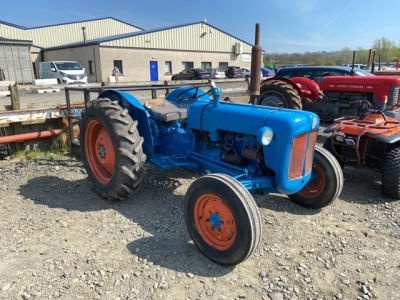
[[305, 87], [309, 88], [331, 128], [137, 112], [388, 139]]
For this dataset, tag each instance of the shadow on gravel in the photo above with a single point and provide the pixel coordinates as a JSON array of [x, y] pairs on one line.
[[160, 236], [363, 186], [281, 203]]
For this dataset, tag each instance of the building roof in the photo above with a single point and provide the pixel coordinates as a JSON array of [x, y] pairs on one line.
[[68, 23], [14, 41], [111, 32], [138, 33]]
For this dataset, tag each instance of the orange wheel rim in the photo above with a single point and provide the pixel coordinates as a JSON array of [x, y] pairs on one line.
[[100, 151], [215, 222], [316, 185]]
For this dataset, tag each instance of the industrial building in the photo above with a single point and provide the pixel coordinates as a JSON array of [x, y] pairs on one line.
[[100, 44]]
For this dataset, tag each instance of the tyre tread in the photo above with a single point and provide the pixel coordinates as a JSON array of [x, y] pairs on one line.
[[130, 158], [391, 174]]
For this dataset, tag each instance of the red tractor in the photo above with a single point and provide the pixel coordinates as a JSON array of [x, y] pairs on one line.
[[333, 96], [368, 133]]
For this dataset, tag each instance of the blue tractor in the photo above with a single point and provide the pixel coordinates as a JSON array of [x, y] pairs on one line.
[[239, 149]]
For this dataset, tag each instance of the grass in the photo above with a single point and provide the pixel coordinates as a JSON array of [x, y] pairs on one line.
[[48, 155], [58, 150]]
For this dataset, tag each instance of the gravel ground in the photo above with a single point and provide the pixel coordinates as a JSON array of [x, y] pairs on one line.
[[61, 240]]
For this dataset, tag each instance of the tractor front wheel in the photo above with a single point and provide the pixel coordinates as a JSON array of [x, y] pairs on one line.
[[278, 93], [111, 149], [222, 219], [391, 175], [326, 182]]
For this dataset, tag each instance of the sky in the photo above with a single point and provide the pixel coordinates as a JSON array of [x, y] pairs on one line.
[[286, 26]]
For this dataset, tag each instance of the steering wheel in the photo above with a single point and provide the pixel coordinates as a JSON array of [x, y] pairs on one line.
[[181, 97]]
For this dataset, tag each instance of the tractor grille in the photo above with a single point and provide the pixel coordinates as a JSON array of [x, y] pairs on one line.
[[301, 156], [393, 96]]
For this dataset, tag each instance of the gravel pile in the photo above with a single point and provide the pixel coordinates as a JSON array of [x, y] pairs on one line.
[[61, 240]]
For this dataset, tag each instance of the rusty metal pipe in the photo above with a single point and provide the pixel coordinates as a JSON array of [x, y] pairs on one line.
[[256, 57], [29, 136]]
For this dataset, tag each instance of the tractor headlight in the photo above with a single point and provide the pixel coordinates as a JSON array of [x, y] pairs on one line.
[[339, 138], [265, 135]]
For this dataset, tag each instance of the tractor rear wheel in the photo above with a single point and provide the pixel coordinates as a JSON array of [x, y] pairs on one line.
[[326, 182], [222, 219], [278, 93], [111, 149], [391, 174]]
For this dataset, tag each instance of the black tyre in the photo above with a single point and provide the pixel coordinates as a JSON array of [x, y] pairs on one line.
[[111, 149], [326, 182], [328, 146], [222, 218], [391, 175], [278, 93]]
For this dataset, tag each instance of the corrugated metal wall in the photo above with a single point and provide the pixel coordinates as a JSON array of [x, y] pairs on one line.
[[56, 35], [197, 37], [15, 61]]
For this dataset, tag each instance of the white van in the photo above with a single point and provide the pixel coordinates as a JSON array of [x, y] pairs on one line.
[[64, 71]]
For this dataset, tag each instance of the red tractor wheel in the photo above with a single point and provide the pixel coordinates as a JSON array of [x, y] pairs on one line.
[[111, 149], [222, 219], [326, 182]]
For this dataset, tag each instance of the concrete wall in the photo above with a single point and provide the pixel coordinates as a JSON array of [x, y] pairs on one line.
[[82, 55], [136, 62]]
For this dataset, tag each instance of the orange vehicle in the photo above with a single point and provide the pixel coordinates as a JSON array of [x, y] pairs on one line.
[[371, 140]]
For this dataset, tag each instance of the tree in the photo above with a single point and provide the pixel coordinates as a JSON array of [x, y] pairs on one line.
[[387, 49], [345, 56]]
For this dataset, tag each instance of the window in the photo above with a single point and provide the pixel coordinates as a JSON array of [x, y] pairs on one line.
[[91, 67], [118, 64], [205, 65], [187, 64], [168, 67], [223, 64]]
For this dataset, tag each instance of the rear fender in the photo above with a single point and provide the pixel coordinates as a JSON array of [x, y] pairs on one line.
[[138, 113], [309, 88], [306, 88], [331, 128]]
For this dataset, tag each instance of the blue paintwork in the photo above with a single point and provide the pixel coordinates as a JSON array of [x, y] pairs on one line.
[[215, 221], [221, 137]]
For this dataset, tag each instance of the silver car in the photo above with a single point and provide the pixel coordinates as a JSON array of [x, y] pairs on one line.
[[247, 72], [216, 73]]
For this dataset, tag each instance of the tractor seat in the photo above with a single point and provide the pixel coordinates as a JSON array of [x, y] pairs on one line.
[[166, 111]]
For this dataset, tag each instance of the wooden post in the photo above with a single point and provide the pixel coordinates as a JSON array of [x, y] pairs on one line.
[[166, 90], [16, 105]]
